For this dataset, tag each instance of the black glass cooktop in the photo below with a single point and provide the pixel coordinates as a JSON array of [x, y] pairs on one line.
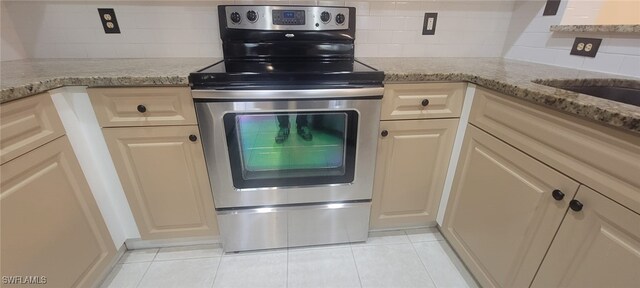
[[265, 74]]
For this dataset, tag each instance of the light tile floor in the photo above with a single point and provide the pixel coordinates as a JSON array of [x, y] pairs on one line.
[[403, 258]]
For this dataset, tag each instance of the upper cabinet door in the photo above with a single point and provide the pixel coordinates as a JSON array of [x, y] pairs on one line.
[[51, 225], [26, 124], [411, 167], [422, 101], [598, 246], [502, 216], [143, 106], [164, 177]]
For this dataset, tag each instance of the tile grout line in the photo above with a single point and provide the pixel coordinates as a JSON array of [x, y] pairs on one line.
[[215, 276], [148, 267], [419, 258], [355, 264]]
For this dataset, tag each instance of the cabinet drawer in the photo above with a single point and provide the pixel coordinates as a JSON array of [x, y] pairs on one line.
[[143, 106], [26, 124], [605, 159], [405, 101]]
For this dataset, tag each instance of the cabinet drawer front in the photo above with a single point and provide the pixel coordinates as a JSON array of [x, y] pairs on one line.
[[501, 216], [602, 158], [599, 246], [164, 177], [51, 225], [405, 101], [26, 124], [411, 167], [143, 106]]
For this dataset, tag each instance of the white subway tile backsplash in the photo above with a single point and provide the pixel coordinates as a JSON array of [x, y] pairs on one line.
[[368, 22], [362, 7], [630, 66], [390, 50], [409, 9], [468, 28], [386, 8], [394, 23], [367, 50], [604, 62]]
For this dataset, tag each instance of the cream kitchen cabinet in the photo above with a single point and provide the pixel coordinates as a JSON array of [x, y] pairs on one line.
[[51, 224], [156, 149], [413, 155], [519, 170], [598, 245], [502, 214]]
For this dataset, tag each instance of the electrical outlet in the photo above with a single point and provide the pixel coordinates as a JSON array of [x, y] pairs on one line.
[[551, 8], [429, 25], [585, 46], [109, 21]]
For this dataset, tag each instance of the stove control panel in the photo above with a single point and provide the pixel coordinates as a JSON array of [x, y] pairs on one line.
[[302, 18]]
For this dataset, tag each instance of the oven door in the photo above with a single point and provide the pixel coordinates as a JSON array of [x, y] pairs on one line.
[[273, 152]]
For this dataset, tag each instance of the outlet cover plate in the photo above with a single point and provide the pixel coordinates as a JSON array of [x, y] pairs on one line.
[[585, 46], [429, 25], [109, 21]]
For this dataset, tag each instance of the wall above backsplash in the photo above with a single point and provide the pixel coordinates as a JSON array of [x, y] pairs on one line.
[[72, 29], [530, 40]]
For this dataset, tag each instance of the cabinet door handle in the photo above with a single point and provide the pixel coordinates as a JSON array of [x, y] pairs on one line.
[[193, 138], [141, 108], [557, 194], [575, 205], [384, 133], [425, 102]]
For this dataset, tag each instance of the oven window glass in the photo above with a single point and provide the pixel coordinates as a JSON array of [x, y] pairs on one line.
[[291, 149]]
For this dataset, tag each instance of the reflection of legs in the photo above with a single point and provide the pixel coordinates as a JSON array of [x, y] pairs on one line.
[[302, 124], [283, 131]]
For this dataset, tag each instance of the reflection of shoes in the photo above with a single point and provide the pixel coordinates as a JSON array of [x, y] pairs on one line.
[[282, 135], [305, 133]]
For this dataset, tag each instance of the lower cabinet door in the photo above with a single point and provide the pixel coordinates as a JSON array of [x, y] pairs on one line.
[[598, 246], [164, 177], [51, 225], [413, 156], [502, 214]]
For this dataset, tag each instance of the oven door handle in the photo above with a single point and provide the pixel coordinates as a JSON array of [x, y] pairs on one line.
[[306, 94]]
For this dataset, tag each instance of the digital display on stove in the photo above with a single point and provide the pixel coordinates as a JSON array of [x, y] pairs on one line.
[[288, 17]]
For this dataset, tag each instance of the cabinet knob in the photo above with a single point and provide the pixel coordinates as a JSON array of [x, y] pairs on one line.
[[384, 133], [425, 102], [575, 205], [141, 108], [557, 194], [193, 138]]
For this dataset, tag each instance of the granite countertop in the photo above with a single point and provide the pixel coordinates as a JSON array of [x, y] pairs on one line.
[[621, 28], [28, 77]]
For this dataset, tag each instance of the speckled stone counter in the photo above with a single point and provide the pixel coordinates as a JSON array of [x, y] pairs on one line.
[[631, 28], [28, 77]]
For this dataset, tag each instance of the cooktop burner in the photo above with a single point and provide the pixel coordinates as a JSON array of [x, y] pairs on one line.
[[278, 73]]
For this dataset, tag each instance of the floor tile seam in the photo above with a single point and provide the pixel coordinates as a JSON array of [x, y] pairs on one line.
[[355, 263], [184, 259], [424, 265], [155, 255], [215, 276], [144, 274]]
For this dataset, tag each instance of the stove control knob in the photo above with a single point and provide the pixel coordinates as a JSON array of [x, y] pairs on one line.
[[340, 19], [325, 16], [252, 16], [235, 17]]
